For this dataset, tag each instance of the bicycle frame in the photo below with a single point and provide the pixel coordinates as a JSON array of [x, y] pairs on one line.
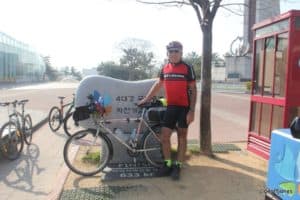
[[62, 106], [16, 113], [101, 125]]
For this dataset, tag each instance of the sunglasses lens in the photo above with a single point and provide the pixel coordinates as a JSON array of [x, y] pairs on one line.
[[173, 51]]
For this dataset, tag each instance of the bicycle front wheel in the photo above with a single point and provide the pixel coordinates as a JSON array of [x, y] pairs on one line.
[[152, 146], [27, 129], [69, 125], [54, 119], [86, 153], [11, 141]]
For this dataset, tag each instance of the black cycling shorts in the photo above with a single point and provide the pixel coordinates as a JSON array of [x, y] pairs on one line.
[[175, 116]]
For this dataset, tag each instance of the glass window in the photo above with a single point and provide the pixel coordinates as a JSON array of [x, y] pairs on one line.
[[277, 117], [280, 65], [269, 66], [255, 117], [266, 120], [297, 22], [276, 27], [258, 67]]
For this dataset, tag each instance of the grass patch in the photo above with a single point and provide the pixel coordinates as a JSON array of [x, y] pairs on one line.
[[92, 158], [193, 149]]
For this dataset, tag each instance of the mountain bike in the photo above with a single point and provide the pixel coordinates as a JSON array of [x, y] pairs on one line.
[[94, 148], [57, 117], [24, 121], [15, 131]]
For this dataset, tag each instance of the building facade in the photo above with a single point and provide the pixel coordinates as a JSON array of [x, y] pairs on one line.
[[239, 66], [19, 62]]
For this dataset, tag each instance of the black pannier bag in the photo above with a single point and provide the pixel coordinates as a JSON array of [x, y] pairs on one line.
[[81, 113], [155, 114]]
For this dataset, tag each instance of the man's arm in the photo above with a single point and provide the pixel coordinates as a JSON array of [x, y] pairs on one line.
[[193, 95]]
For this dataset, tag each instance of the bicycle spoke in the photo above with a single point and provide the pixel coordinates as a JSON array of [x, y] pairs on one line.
[[152, 145], [92, 153], [54, 119], [11, 141]]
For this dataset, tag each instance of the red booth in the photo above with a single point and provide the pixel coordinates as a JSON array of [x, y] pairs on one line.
[[275, 95]]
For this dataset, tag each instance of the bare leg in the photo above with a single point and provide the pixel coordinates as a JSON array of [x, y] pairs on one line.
[[166, 144], [182, 143]]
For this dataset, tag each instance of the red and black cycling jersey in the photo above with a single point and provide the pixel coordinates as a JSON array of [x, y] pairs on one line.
[[176, 78]]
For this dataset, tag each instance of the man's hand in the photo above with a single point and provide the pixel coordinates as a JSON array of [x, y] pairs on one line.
[[190, 117]]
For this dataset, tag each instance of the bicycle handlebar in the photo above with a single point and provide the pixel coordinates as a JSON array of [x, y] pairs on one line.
[[22, 102], [4, 104]]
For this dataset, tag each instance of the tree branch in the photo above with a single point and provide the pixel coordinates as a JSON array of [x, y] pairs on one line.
[[215, 8], [198, 13], [183, 2], [234, 4], [232, 11]]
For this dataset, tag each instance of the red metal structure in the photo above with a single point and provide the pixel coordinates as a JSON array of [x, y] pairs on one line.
[[275, 95]]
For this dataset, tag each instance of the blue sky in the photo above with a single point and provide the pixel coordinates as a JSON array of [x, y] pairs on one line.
[[84, 33]]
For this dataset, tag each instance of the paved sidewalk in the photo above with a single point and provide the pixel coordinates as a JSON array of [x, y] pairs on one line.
[[38, 174], [236, 175], [35, 173]]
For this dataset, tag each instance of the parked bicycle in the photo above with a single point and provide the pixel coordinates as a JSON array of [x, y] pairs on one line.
[[14, 132], [94, 147], [57, 117]]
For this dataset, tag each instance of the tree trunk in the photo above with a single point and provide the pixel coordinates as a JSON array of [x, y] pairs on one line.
[[205, 102]]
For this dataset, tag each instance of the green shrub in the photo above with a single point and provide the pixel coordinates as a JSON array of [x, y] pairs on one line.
[[248, 85]]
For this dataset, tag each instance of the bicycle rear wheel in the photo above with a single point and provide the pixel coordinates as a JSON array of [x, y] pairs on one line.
[[54, 118], [87, 154], [69, 125], [152, 142], [11, 141], [28, 129]]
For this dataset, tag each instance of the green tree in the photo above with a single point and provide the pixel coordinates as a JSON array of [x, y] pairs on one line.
[[194, 59], [137, 58], [76, 73], [66, 70], [113, 70], [205, 11], [217, 60], [50, 72]]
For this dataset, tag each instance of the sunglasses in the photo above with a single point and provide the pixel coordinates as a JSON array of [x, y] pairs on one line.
[[173, 51]]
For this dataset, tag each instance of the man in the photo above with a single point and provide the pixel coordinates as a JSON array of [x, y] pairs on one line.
[[179, 83]]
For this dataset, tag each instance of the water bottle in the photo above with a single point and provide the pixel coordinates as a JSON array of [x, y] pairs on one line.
[[101, 101], [132, 135]]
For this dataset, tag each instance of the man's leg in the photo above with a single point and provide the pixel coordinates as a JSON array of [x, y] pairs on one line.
[[181, 150], [182, 143], [166, 169], [166, 143]]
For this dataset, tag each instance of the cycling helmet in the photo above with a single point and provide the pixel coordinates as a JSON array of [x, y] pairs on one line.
[[174, 45], [295, 127]]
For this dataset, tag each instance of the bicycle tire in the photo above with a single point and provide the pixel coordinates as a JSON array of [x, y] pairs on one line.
[[27, 129], [154, 157], [83, 156], [54, 116], [12, 141], [69, 125]]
